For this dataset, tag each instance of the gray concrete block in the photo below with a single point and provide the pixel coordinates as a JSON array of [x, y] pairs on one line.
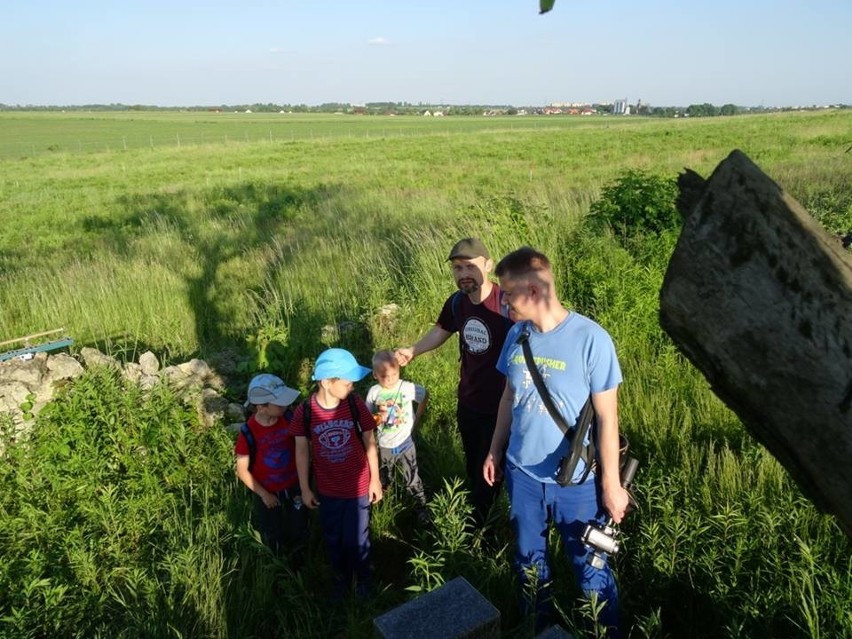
[[554, 632], [456, 610]]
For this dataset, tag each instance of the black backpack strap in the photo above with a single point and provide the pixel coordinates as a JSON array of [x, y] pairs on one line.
[[576, 434], [355, 413], [353, 410], [246, 431], [455, 305], [306, 416]]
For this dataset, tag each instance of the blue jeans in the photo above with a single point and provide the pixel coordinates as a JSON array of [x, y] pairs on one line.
[[534, 505], [346, 528]]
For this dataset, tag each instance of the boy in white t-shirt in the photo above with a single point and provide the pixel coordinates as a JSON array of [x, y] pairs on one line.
[[390, 401]]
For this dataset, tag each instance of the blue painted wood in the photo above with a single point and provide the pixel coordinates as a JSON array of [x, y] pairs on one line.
[[47, 346]]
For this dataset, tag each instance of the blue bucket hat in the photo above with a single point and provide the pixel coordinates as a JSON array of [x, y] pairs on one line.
[[338, 362]]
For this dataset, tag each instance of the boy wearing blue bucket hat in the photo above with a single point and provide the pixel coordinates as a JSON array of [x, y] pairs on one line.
[[336, 440]]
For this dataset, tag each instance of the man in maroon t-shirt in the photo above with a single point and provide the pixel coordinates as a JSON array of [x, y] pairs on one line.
[[474, 311]]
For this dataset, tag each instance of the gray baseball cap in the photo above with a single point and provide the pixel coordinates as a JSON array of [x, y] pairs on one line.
[[469, 248], [270, 389]]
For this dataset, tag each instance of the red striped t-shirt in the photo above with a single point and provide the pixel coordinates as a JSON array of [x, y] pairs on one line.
[[337, 452]]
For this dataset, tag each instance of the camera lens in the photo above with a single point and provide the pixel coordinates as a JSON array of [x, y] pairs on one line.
[[597, 538]]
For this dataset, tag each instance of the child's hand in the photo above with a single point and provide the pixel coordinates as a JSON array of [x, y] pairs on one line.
[[269, 499], [309, 499], [375, 490]]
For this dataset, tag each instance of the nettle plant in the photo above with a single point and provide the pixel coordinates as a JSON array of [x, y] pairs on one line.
[[637, 202]]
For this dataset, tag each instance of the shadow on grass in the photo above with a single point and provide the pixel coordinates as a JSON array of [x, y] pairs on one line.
[[215, 225]]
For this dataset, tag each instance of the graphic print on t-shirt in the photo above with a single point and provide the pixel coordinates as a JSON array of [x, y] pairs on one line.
[[333, 436], [276, 456], [476, 335]]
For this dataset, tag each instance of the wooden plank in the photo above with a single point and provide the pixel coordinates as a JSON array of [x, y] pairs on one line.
[[29, 337]]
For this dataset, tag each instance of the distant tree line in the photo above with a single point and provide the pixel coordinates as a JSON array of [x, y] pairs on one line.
[[409, 108]]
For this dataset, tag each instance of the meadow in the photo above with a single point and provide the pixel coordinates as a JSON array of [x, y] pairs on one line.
[[272, 236]]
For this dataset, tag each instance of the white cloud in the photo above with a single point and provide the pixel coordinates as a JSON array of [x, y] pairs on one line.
[[276, 50], [378, 41]]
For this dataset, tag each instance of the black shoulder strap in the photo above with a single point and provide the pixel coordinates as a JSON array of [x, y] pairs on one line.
[[353, 410], [455, 305], [246, 431], [577, 434], [306, 416]]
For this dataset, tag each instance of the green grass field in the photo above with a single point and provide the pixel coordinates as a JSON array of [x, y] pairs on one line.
[[34, 133], [265, 234]]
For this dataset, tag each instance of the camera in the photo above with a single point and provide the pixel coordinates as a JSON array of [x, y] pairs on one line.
[[602, 538]]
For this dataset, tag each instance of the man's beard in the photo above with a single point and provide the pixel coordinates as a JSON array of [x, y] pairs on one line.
[[468, 286]]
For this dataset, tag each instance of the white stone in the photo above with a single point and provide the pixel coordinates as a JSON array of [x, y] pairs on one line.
[[196, 368], [147, 382], [12, 395], [63, 366], [133, 372], [149, 363], [29, 372], [94, 358]]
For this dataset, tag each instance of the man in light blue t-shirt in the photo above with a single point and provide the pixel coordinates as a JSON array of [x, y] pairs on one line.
[[576, 359]]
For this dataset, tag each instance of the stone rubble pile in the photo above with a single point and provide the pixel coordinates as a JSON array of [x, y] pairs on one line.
[[26, 385]]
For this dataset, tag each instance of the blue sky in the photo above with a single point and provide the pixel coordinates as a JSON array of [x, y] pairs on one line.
[[188, 52]]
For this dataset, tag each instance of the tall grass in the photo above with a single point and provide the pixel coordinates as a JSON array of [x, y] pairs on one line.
[[121, 516]]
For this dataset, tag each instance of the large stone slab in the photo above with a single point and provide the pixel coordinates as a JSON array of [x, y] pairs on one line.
[[554, 632], [759, 297], [456, 610]]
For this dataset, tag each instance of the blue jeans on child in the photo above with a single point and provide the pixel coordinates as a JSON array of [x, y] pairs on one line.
[[346, 529], [534, 505]]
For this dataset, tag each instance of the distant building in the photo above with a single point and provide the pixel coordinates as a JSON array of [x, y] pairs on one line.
[[620, 107]]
